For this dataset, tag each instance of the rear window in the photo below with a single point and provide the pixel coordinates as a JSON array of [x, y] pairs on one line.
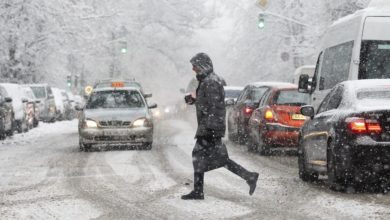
[[292, 97], [373, 94], [375, 60], [115, 99], [39, 92]]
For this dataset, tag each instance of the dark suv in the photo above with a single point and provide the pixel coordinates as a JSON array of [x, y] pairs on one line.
[[6, 115]]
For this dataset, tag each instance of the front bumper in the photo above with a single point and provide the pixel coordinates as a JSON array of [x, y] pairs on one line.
[[280, 135], [133, 136]]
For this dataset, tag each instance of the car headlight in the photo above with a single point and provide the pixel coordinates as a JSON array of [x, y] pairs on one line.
[[90, 124], [139, 122]]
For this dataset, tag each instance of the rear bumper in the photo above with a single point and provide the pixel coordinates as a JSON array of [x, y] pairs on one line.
[[280, 135], [364, 157], [133, 136]]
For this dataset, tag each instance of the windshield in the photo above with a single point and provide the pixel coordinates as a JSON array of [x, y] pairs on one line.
[[39, 92], [375, 60], [292, 97], [232, 93], [115, 99]]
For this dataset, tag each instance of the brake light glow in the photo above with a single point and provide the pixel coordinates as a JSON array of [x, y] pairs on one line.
[[248, 110], [363, 126], [117, 84]]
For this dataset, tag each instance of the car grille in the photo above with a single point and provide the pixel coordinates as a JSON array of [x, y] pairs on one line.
[[114, 123]]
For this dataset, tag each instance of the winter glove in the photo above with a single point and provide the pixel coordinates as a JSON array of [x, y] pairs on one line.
[[189, 99]]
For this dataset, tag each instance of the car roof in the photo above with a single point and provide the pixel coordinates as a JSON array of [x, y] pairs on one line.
[[116, 89], [367, 83], [40, 85], [274, 84], [233, 87]]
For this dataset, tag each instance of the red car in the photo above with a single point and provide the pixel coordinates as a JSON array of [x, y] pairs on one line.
[[277, 120]]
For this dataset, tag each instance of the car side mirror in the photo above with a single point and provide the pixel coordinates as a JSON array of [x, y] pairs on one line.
[[229, 102], [37, 101], [153, 105], [8, 99], [78, 108], [182, 90], [24, 100], [303, 84], [308, 111], [148, 95]]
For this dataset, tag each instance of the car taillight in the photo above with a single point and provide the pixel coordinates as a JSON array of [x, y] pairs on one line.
[[363, 126], [248, 110], [270, 115]]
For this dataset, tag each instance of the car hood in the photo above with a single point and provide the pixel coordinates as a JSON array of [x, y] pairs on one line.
[[115, 114]]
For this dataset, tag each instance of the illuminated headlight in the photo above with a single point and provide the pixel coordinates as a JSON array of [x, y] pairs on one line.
[[90, 124], [156, 113], [139, 122], [167, 110], [52, 109]]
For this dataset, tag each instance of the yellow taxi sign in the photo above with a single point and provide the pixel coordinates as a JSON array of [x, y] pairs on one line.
[[117, 84], [88, 90]]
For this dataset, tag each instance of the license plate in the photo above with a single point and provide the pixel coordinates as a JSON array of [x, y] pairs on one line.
[[298, 117], [115, 133]]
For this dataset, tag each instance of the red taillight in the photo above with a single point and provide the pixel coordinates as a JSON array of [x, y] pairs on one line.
[[248, 110], [363, 126]]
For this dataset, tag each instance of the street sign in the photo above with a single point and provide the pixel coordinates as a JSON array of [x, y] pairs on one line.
[[263, 4]]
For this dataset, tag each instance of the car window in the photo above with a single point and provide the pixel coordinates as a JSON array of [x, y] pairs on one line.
[[243, 95], [232, 94], [39, 92], [264, 99], [291, 97], [115, 99], [332, 100], [257, 93]]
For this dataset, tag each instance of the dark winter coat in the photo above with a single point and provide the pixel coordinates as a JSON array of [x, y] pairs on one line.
[[209, 152]]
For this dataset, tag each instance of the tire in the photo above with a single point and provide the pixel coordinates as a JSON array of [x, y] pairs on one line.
[[84, 147], [148, 146], [263, 149], [252, 146], [19, 127], [2, 131], [35, 123], [336, 181], [304, 174]]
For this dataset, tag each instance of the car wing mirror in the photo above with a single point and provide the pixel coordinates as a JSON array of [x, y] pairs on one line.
[[8, 99], [153, 105], [308, 111], [24, 100], [37, 101], [148, 95], [229, 102], [78, 108], [303, 84]]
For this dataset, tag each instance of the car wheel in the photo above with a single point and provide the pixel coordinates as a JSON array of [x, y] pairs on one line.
[[252, 146], [148, 146], [304, 174], [263, 148], [336, 181], [2, 131], [84, 147], [231, 135], [35, 123], [19, 126]]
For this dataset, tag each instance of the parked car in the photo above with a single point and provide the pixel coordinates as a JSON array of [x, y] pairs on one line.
[[19, 104], [47, 106], [277, 120], [31, 106], [348, 138], [63, 106], [242, 110], [116, 115], [6, 115]]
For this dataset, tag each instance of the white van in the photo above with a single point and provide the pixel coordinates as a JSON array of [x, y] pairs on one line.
[[354, 47]]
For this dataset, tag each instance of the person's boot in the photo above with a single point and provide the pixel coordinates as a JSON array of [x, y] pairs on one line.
[[252, 181], [193, 195]]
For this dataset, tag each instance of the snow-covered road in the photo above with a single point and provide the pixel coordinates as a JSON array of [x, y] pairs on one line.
[[44, 176]]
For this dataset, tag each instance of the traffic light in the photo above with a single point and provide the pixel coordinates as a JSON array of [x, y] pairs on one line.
[[123, 46], [69, 80], [261, 21]]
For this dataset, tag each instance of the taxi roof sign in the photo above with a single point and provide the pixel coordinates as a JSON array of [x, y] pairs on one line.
[[88, 90], [117, 84]]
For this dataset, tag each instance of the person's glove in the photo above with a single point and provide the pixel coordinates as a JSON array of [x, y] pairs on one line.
[[189, 99]]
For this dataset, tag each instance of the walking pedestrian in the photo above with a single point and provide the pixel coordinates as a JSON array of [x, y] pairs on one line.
[[210, 152]]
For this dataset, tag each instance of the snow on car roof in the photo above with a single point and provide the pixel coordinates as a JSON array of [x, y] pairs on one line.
[[274, 84], [233, 87], [367, 83], [115, 88]]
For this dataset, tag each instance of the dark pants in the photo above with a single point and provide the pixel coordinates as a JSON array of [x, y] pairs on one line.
[[230, 165]]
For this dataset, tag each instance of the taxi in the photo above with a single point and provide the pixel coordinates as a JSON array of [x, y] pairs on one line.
[[116, 115]]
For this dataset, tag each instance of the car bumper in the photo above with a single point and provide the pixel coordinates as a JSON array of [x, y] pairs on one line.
[[133, 136], [365, 157], [281, 135]]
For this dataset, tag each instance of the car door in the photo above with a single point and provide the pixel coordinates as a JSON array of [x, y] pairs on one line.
[[255, 121], [235, 113], [318, 132]]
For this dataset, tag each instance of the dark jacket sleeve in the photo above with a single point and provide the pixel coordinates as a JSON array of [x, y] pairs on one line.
[[214, 106]]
